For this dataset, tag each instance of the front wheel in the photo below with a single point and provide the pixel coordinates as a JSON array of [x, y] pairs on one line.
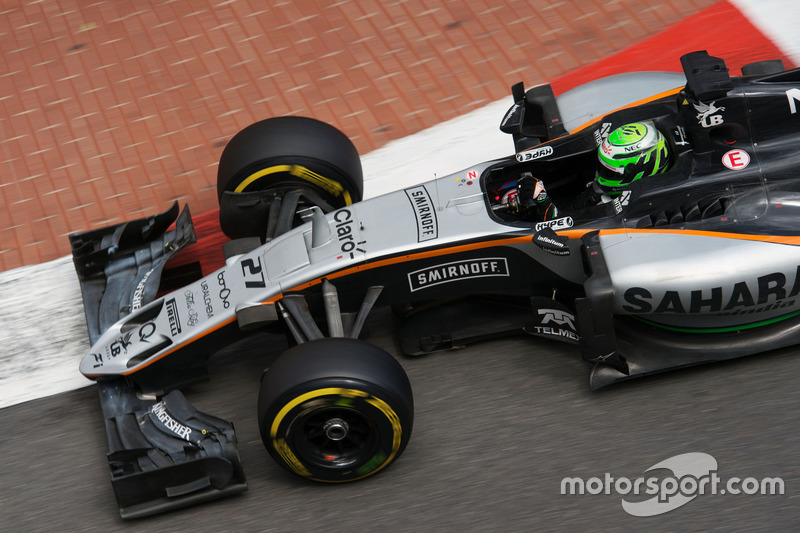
[[274, 169], [335, 409]]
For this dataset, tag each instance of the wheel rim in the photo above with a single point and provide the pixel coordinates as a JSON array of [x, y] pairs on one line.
[[334, 437]]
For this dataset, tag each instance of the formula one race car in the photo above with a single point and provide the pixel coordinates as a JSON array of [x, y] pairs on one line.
[[692, 262]]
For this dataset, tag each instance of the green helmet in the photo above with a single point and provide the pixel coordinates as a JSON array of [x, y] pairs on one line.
[[631, 152]]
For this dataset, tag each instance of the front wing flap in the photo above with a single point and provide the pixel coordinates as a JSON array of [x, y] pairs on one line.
[[119, 267], [163, 453]]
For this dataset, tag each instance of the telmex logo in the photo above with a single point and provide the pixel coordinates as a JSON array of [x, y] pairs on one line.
[[559, 318], [556, 316]]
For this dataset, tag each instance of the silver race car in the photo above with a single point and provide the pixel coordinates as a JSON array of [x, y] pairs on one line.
[[648, 219]]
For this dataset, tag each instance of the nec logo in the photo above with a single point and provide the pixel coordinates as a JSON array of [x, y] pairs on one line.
[[558, 317]]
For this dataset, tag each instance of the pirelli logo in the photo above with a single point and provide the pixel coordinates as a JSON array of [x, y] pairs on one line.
[[458, 270], [174, 319]]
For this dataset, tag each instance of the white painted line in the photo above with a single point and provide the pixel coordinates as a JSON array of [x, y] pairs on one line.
[[778, 20], [44, 332]]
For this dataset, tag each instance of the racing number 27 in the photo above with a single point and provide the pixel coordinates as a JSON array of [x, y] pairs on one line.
[[255, 273]]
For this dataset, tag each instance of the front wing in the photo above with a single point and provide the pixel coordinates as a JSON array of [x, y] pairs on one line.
[[163, 453]]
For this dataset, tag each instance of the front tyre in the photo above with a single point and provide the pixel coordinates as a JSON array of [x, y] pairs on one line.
[[275, 168], [335, 410]]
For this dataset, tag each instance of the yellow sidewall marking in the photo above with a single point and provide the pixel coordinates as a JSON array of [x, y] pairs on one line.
[[260, 174], [332, 187], [290, 458]]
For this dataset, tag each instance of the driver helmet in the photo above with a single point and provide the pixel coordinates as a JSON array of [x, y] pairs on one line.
[[629, 153]]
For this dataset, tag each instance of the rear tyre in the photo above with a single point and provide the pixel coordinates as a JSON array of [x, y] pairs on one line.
[[301, 160], [335, 410]]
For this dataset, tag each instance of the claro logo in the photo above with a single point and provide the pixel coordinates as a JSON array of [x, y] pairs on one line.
[[346, 234]]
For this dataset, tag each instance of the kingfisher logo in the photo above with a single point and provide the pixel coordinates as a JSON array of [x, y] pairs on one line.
[[159, 412], [138, 293]]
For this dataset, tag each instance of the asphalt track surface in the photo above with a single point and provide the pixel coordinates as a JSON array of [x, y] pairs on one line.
[[497, 427]]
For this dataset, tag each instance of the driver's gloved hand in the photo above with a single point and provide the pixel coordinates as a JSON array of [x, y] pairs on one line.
[[533, 199]]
